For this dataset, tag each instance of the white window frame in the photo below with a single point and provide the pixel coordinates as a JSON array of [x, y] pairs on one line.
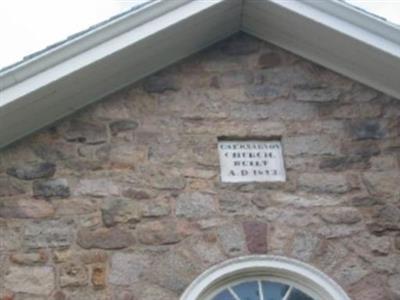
[[278, 268]]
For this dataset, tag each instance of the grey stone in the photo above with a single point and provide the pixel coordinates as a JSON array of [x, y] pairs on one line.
[[104, 238], [366, 201], [232, 239], [324, 183], [310, 145], [382, 183], [32, 171], [341, 215], [120, 210], [316, 92], [58, 188], [305, 246], [160, 178], [127, 268], [99, 187], [145, 291], [234, 202], [266, 92], [160, 84], [367, 129], [174, 270], [277, 110], [84, 132], [48, 234], [196, 205], [351, 271], [31, 280], [156, 208], [233, 79], [122, 125], [345, 163], [25, 209]]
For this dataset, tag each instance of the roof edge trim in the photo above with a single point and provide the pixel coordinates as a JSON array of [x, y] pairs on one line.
[[88, 39]]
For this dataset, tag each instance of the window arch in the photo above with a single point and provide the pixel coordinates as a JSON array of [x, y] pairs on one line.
[[263, 277]]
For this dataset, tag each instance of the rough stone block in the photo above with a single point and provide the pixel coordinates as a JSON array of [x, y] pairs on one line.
[[99, 277], [127, 268], [32, 171], [196, 205], [120, 210], [104, 238], [163, 232], [256, 236], [25, 209], [232, 239], [324, 183], [310, 145], [341, 215], [73, 275], [316, 93], [382, 183], [31, 280], [174, 270], [305, 246], [29, 259], [122, 126], [367, 129], [99, 187], [58, 188], [48, 234]]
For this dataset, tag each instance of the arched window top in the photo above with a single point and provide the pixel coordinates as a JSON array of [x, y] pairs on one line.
[[260, 289], [263, 277]]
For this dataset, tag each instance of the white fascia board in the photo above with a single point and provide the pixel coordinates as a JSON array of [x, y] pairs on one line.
[[333, 34]]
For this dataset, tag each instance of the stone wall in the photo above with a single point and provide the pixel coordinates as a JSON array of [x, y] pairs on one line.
[[123, 200]]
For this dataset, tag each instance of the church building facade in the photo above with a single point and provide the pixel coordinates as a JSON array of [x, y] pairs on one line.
[[127, 198]]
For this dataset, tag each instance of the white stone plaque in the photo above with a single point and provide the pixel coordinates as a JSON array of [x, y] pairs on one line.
[[251, 161]]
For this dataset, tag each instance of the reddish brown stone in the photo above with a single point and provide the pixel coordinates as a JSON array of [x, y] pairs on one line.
[[7, 296], [104, 238], [39, 257], [99, 277], [256, 236], [59, 295]]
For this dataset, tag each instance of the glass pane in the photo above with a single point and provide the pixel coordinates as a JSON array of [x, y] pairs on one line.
[[274, 290], [247, 290], [298, 295], [224, 295]]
